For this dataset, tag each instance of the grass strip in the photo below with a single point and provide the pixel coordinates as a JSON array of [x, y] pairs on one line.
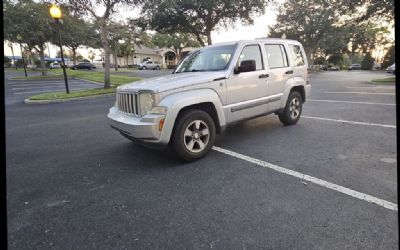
[[94, 76], [385, 80], [72, 94]]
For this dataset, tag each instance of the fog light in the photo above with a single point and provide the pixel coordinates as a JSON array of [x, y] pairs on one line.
[[161, 124]]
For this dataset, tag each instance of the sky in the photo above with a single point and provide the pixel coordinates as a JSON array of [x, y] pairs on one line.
[[258, 29], [232, 33]]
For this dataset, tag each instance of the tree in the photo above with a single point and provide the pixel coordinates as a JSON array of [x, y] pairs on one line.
[[7, 61], [89, 7], [389, 58], [368, 62], [32, 21], [175, 41], [371, 9], [312, 22], [198, 17]]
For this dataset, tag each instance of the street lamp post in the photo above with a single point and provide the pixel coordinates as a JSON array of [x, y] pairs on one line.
[[19, 38], [55, 13]]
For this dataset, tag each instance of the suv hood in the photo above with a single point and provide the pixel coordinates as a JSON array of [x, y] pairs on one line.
[[172, 81]]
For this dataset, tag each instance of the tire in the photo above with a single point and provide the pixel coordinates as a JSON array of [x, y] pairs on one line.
[[292, 111], [158, 68], [194, 146], [144, 68]]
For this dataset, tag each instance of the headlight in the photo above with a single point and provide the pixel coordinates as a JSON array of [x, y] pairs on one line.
[[146, 103]]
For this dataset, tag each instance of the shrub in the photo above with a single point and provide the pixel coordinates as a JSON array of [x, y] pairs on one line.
[[171, 66], [367, 62]]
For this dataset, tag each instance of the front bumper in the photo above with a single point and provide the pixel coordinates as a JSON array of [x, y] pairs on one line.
[[144, 129]]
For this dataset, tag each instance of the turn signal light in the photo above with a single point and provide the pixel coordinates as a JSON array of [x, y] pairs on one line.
[[161, 124]]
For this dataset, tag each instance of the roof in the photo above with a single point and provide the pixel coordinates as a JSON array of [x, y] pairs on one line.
[[254, 40], [146, 50]]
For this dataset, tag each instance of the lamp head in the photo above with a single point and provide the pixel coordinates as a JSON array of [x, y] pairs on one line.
[[55, 12]]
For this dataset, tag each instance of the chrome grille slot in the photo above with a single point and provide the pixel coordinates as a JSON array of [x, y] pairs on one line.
[[127, 103]]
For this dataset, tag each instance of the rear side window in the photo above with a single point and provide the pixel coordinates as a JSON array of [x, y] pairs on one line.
[[297, 54], [276, 55], [252, 52]]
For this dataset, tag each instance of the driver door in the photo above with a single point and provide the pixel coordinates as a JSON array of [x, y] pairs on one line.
[[247, 91]]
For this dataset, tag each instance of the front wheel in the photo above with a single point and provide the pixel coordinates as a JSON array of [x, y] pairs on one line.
[[194, 135], [292, 111], [144, 68]]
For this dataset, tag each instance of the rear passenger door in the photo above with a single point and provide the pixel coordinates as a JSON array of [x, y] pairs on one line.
[[279, 72]]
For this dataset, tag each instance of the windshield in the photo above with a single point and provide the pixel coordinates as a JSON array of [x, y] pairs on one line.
[[207, 59]]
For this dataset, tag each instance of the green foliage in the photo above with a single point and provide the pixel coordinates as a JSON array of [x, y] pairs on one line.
[[198, 17], [19, 63], [7, 61], [175, 41], [37, 63], [367, 62], [389, 58]]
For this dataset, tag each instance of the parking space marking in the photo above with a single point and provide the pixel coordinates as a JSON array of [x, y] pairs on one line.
[[361, 93], [380, 202], [44, 91], [368, 103], [352, 122]]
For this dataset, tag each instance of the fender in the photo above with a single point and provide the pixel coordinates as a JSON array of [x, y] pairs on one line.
[[290, 83], [177, 101]]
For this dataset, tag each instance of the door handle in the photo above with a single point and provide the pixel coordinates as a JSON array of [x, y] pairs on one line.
[[263, 76], [289, 72]]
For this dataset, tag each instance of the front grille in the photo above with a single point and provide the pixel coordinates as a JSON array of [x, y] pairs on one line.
[[128, 103]]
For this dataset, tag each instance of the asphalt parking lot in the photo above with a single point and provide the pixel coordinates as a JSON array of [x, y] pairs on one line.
[[17, 90], [74, 183]]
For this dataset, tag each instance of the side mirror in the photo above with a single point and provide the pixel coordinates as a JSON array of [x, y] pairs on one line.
[[246, 66]]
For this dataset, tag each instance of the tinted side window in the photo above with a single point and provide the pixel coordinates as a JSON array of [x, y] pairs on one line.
[[252, 52], [297, 55], [276, 55]]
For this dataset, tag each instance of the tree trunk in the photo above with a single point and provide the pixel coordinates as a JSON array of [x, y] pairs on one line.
[[209, 41], [42, 62], [115, 61], [200, 40], [309, 59], [74, 55], [106, 48]]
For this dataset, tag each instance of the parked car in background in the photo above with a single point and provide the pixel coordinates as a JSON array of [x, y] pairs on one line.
[[83, 65], [355, 66], [391, 68], [55, 65], [214, 86], [333, 68], [149, 65], [323, 67]]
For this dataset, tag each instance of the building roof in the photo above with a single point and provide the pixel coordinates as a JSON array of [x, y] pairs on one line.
[[146, 50]]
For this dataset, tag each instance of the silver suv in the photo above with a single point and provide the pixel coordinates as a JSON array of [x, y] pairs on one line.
[[211, 88]]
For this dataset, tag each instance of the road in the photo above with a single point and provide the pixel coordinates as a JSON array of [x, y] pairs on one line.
[[74, 183]]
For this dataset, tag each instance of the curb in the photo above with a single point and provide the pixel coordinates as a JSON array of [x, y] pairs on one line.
[[27, 101], [382, 83]]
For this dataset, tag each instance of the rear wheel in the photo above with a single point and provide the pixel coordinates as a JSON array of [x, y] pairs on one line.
[[292, 111], [158, 68], [194, 135]]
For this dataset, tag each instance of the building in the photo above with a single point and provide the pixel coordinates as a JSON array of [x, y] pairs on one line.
[[165, 57]]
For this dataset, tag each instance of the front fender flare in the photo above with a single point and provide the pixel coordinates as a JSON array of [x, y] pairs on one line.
[[177, 101]]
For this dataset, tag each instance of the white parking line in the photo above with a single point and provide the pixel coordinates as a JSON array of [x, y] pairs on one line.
[[320, 182], [361, 93], [44, 91], [352, 122], [375, 87], [368, 103]]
